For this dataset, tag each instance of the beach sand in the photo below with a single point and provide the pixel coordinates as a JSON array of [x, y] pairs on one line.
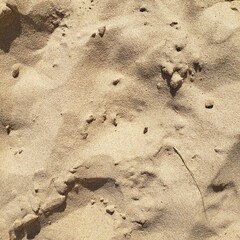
[[119, 119]]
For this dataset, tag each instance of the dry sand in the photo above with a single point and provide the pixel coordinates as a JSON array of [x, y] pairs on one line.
[[119, 119]]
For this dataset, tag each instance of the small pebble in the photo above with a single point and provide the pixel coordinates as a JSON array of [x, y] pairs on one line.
[[69, 178], [90, 119], [217, 150], [15, 70], [8, 128], [60, 186], [159, 86], [176, 81], [123, 216], [104, 118], [209, 103], [145, 130], [93, 202], [143, 9], [173, 24], [84, 135], [167, 68], [110, 209], [116, 82], [114, 122], [76, 188], [101, 31], [101, 199], [105, 202]]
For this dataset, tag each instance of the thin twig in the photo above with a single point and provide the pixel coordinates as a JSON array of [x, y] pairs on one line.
[[190, 172]]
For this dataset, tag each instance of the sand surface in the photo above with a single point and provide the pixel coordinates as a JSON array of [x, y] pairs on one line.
[[119, 119]]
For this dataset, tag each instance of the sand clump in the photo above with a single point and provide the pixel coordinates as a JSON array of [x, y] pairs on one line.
[[118, 119]]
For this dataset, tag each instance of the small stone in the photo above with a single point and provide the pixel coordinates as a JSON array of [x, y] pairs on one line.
[[8, 128], [114, 122], [61, 187], [167, 68], [101, 31], [116, 82], [182, 69], [90, 119], [173, 24], [110, 209], [93, 35], [135, 198], [15, 70], [69, 178], [143, 9], [93, 201], [176, 80], [123, 216], [209, 103], [145, 130], [217, 150], [84, 135], [101, 199], [76, 188], [159, 86], [72, 170], [104, 118], [105, 201]]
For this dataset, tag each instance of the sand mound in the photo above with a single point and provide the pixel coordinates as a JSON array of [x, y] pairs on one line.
[[118, 119]]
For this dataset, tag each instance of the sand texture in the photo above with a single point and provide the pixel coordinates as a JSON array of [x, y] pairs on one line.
[[119, 119]]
